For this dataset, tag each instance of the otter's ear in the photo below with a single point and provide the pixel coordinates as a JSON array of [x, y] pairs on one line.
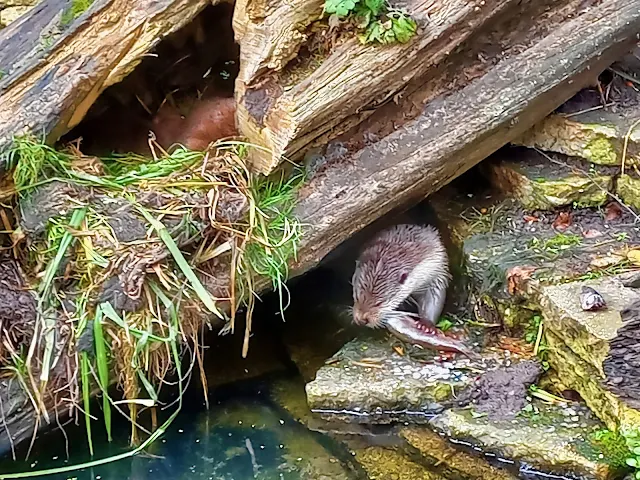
[[403, 277]]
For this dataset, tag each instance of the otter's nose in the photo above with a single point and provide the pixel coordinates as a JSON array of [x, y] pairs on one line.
[[359, 318]]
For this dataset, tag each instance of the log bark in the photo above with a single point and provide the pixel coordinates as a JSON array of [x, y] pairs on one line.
[[288, 108], [458, 129], [47, 90], [285, 116]]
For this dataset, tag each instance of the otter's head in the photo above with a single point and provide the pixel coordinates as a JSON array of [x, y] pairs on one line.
[[377, 281]]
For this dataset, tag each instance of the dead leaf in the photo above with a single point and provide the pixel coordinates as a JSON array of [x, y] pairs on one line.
[[592, 233], [634, 256], [516, 276], [399, 350], [562, 221], [530, 219], [606, 261], [613, 211]]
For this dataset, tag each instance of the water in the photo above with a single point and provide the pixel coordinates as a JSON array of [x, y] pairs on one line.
[[244, 435]]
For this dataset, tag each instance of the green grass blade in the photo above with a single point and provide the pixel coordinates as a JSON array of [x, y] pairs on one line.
[[50, 273], [147, 386], [111, 314], [49, 320], [103, 368], [86, 396], [165, 236]]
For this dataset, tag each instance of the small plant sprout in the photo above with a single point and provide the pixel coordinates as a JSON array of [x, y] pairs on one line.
[[375, 20]]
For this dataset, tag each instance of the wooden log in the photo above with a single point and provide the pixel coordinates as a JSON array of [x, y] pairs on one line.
[[55, 73], [285, 115], [458, 129]]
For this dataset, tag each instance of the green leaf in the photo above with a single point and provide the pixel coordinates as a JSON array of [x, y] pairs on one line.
[[342, 8], [103, 368], [147, 386], [404, 28], [636, 451], [111, 314], [632, 462], [86, 396], [444, 324], [375, 6]]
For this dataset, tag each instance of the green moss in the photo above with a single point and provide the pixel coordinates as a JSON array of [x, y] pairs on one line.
[[612, 445], [560, 241], [628, 188], [77, 8], [600, 150]]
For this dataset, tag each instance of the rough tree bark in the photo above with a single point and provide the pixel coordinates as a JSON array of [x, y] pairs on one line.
[[458, 129], [287, 106], [47, 90]]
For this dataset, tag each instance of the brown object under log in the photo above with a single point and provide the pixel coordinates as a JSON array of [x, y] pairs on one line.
[[210, 120]]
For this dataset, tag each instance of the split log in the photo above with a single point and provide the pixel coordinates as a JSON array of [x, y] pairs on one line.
[[458, 129], [47, 90], [288, 107], [353, 78]]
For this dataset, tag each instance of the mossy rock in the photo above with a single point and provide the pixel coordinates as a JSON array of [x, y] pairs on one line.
[[588, 334], [367, 381], [550, 439], [386, 464], [595, 136], [628, 189], [508, 254], [540, 182], [579, 375], [452, 462]]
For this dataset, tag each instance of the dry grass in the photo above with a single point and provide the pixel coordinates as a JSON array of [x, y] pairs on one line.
[[212, 229]]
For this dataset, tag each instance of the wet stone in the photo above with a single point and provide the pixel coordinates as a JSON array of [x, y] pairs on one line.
[[536, 440], [452, 462], [368, 382], [387, 464]]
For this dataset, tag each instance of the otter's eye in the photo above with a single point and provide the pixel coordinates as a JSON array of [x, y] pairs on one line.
[[403, 277]]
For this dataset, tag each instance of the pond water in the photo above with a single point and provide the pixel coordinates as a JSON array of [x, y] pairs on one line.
[[243, 435]]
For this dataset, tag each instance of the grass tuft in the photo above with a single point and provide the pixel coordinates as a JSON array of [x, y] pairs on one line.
[[192, 233]]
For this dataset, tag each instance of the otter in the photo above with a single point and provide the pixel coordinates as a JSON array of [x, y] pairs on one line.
[[404, 262], [210, 119]]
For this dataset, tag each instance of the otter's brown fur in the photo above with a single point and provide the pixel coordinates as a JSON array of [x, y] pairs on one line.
[[210, 120], [402, 261]]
